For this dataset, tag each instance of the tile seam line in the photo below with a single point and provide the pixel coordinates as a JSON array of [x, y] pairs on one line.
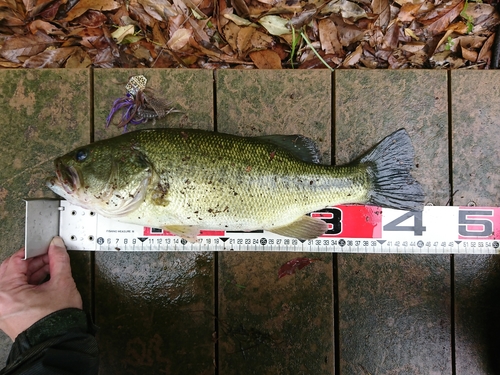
[[216, 254], [452, 257], [335, 276], [92, 253]]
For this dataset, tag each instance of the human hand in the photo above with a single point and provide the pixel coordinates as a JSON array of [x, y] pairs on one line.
[[25, 298]]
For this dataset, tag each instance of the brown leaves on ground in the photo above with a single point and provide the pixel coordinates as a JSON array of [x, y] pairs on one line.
[[264, 34]]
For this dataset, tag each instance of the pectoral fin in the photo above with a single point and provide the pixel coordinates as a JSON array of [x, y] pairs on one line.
[[188, 232], [159, 195], [305, 228]]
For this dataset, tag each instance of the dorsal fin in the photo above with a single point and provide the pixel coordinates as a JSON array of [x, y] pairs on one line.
[[302, 147]]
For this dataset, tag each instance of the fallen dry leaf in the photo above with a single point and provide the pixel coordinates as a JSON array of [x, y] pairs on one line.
[[103, 58], [329, 38], [241, 8], [244, 40], [468, 54], [49, 13], [46, 27], [84, 5], [411, 34], [304, 17], [354, 57], [160, 10], [240, 33], [485, 53], [408, 12], [79, 59], [92, 18], [478, 12], [382, 8], [440, 17], [122, 32], [230, 32], [275, 25], [413, 47], [351, 10], [391, 38], [158, 36], [9, 64], [91, 37], [261, 41], [238, 20], [179, 39], [138, 13], [348, 34], [458, 27], [9, 17], [266, 59], [34, 7], [50, 58], [29, 45], [472, 41], [142, 53], [198, 28]]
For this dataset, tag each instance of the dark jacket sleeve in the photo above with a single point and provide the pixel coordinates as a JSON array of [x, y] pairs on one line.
[[61, 343]]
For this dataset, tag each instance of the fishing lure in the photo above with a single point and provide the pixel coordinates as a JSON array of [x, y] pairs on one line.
[[138, 105]]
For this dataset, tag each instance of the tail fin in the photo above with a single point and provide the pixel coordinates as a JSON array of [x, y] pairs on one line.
[[390, 163]]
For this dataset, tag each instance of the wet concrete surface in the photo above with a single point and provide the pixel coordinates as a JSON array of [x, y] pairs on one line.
[[410, 331], [259, 313], [228, 313], [475, 105], [155, 313], [45, 113]]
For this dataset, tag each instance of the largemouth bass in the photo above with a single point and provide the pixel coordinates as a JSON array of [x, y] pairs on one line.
[[185, 180]]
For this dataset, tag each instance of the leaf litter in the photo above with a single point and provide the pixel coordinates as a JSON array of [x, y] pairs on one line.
[[246, 34]]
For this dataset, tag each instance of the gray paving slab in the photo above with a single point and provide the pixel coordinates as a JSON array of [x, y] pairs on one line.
[[394, 310], [45, 113], [156, 309], [270, 325], [475, 103]]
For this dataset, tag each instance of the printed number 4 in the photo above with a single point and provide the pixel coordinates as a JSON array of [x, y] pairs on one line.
[[418, 229]]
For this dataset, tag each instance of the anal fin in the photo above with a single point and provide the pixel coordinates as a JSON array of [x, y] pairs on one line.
[[305, 228], [188, 232]]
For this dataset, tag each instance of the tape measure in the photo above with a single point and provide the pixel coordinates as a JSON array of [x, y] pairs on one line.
[[351, 229]]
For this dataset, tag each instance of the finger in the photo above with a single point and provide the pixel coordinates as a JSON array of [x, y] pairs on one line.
[[58, 260], [36, 263], [3, 267], [38, 269], [40, 275], [16, 264]]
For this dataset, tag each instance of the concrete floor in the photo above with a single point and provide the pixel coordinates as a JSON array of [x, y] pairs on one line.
[[227, 313]]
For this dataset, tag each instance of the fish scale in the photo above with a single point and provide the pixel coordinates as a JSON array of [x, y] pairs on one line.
[[246, 173], [184, 180]]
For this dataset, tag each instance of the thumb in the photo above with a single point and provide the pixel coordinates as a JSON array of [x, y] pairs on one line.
[[59, 265]]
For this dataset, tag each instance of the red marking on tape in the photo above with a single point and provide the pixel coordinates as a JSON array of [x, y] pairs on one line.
[[156, 232]]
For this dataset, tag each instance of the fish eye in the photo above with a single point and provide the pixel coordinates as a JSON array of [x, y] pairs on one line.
[[81, 155]]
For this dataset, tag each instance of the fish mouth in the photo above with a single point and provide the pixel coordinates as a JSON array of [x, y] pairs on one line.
[[67, 177]]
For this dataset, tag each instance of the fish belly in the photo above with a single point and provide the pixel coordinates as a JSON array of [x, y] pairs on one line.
[[245, 201]]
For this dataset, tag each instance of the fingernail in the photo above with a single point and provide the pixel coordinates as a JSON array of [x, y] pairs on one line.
[[58, 242]]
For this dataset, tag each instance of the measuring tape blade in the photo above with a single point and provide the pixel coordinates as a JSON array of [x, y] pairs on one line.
[[351, 229]]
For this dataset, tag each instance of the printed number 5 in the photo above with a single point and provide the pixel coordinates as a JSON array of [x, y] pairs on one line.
[[477, 226]]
